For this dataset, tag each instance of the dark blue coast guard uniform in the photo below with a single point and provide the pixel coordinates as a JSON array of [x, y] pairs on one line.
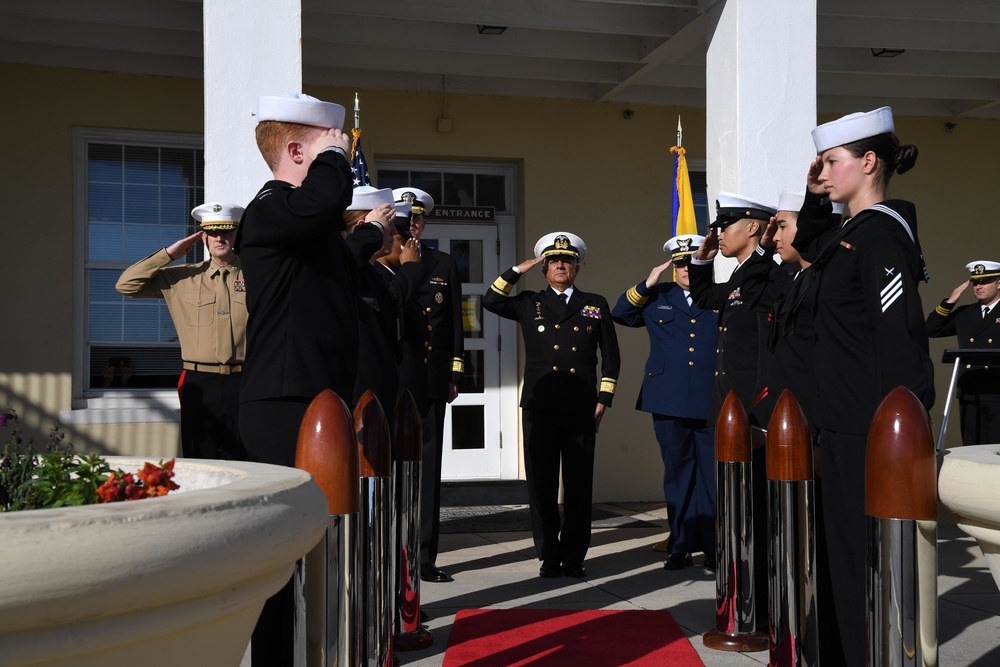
[[560, 393], [677, 389]]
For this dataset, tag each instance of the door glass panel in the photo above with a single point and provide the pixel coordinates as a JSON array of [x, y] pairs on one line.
[[490, 191], [393, 178], [468, 256], [468, 427], [472, 378], [472, 315], [459, 190], [428, 181]]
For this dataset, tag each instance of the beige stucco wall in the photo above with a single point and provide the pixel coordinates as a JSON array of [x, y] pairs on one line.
[[583, 167]]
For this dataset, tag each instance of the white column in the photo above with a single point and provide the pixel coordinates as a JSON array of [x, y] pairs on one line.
[[760, 97], [252, 47]]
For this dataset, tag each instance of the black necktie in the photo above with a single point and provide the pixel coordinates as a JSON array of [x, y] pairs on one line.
[[564, 298], [986, 311]]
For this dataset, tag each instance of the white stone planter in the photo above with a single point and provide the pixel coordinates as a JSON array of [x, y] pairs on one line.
[[177, 580], [969, 486]]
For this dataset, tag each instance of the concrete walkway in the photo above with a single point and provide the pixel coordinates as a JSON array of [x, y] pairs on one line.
[[499, 569]]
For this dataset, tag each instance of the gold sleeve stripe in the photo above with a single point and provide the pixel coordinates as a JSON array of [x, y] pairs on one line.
[[635, 298], [501, 286], [608, 385], [457, 365], [941, 310]]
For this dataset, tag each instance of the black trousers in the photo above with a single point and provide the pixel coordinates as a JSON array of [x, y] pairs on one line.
[[270, 430], [553, 440], [980, 419], [431, 451], [844, 527], [210, 405]]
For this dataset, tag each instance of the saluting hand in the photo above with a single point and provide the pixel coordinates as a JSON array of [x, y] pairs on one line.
[[180, 248], [767, 238], [812, 178], [528, 264], [409, 252], [330, 138], [654, 275], [382, 215], [957, 293], [709, 247]]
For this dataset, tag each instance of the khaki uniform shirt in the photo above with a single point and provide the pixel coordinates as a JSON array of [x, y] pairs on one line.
[[190, 293]]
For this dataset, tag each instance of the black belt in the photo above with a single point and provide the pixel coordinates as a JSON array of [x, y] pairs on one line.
[[221, 369]]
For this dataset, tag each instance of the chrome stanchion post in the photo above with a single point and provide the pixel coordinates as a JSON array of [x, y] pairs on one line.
[[791, 619], [377, 533], [408, 635], [735, 621], [327, 631], [901, 509]]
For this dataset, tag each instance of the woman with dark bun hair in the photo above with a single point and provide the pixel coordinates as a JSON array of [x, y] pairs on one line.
[[870, 336]]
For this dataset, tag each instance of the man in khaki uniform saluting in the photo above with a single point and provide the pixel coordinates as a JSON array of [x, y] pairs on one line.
[[207, 302]]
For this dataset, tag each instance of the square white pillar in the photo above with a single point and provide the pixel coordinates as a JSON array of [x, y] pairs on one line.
[[252, 48], [760, 97]]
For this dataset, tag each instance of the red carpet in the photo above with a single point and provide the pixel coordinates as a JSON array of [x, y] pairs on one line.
[[567, 638]]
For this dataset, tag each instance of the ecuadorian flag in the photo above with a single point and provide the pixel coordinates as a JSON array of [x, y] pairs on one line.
[[682, 205]]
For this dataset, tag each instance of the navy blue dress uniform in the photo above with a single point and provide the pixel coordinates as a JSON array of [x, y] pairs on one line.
[[977, 327], [559, 396], [438, 311], [870, 338], [742, 332], [677, 387], [207, 302], [742, 326]]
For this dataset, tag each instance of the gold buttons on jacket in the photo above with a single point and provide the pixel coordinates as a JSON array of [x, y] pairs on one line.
[[972, 340], [555, 368], [692, 334], [694, 321], [426, 344], [690, 349], [572, 370], [428, 310], [430, 327], [968, 365], [576, 328], [690, 363], [555, 347], [573, 348]]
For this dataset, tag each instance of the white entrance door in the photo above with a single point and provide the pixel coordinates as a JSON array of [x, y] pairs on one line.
[[474, 431]]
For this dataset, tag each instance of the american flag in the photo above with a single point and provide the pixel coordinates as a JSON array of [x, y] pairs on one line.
[[359, 168]]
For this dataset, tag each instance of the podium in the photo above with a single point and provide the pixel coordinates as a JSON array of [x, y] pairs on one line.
[[958, 356]]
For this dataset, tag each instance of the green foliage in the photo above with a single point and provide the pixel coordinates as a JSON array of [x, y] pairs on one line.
[[56, 478]]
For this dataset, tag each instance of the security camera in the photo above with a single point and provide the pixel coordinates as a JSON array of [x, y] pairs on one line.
[[627, 114]]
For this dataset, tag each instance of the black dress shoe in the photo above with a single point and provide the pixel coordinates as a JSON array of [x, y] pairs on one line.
[[677, 561], [709, 563], [430, 572], [549, 570], [578, 570]]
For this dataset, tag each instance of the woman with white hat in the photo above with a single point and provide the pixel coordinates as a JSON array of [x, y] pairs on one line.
[[870, 334]]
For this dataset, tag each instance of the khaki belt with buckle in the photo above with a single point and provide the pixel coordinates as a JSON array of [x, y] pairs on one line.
[[221, 369]]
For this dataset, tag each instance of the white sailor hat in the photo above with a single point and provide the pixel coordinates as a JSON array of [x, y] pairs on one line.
[[852, 127], [300, 108], [682, 246], [561, 243], [730, 207], [982, 268], [401, 221], [367, 198], [422, 203], [791, 201], [218, 216]]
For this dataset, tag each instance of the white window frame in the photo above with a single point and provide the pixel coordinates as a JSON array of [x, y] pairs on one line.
[[95, 406]]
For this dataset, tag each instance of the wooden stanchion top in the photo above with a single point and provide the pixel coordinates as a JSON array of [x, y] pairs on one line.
[[732, 432], [327, 449], [374, 449], [789, 449], [900, 466], [409, 435]]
